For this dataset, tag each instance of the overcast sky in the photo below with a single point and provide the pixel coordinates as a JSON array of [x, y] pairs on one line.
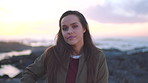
[[119, 11]]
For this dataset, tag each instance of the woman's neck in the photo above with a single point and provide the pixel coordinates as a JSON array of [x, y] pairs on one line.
[[77, 50]]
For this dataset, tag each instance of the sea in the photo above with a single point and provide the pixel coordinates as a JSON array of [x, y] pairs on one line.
[[124, 44]]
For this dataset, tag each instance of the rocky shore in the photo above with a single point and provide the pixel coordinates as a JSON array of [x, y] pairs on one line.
[[123, 67], [128, 68]]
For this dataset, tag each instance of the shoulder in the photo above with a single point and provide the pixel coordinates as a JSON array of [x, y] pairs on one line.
[[100, 59], [49, 49], [48, 52], [99, 54]]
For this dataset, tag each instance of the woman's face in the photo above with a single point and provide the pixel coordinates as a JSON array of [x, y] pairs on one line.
[[72, 30]]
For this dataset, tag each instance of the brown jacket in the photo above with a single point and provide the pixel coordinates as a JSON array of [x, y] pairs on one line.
[[37, 70]]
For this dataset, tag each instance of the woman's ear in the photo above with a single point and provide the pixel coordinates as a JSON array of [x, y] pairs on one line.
[[84, 30]]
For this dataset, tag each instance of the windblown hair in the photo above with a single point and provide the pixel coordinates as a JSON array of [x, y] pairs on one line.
[[58, 55]]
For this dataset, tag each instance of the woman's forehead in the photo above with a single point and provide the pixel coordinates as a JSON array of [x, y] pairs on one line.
[[70, 19]]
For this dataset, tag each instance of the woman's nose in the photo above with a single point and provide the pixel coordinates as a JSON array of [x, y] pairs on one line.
[[70, 30]]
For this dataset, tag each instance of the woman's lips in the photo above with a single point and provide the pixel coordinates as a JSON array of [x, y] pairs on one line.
[[71, 37]]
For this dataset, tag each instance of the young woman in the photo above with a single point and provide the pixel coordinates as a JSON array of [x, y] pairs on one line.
[[74, 58]]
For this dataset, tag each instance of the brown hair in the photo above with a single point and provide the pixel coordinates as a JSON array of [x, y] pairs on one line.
[[59, 54]]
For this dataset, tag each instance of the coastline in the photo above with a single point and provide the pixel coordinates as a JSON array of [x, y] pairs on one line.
[[123, 67]]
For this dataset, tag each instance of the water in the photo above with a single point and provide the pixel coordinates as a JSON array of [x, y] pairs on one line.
[[123, 44], [9, 70], [7, 55], [131, 44]]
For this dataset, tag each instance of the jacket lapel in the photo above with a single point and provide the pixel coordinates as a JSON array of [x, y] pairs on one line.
[[82, 70], [62, 73]]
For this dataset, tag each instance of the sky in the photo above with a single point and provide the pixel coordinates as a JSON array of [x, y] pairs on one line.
[[106, 18]]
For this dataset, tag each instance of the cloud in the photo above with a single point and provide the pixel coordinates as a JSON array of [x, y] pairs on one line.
[[139, 7], [125, 11]]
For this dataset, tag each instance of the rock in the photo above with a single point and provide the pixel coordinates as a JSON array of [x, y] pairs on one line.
[[19, 61], [23, 61], [113, 51], [128, 69], [12, 46], [16, 80], [4, 77], [37, 51]]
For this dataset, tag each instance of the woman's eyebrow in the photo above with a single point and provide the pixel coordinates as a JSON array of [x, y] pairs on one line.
[[70, 24], [63, 25], [73, 23]]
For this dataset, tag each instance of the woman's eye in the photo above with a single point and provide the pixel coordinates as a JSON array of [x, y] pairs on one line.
[[65, 28], [74, 26]]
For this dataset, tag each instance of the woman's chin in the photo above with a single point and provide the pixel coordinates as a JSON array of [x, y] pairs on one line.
[[72, 43]]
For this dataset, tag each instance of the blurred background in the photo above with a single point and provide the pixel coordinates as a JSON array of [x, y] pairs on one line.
[[118, 27]]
